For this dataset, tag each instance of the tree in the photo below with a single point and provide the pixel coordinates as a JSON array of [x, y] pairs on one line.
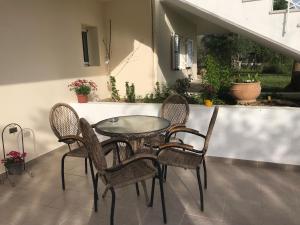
[[279, 4], [295, 80]]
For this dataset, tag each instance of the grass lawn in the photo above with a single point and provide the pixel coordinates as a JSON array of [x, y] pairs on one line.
[[274, 82]]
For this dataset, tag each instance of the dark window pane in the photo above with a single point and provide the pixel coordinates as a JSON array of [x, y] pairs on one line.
[[85, 47]]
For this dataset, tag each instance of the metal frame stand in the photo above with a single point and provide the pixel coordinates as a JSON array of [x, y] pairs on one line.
[[13, 128]]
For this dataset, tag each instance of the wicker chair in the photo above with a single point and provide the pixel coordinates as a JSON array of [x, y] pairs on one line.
[[64, 122], [130, 168], [185, 156], [175, 109]]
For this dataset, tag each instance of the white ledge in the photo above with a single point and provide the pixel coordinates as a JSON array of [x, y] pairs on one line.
[[268, 134]]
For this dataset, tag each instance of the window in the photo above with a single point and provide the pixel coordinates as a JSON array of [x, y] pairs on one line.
[[189, 53], [90, 46], [283, 4]]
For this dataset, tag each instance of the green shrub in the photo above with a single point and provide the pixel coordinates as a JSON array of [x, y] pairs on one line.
[[130, 92], [161, 92], [218, 76], [114, 91], [182, 86]]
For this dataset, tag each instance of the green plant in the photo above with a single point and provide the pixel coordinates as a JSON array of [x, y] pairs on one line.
[[250, 78], [157, 92], [114, 91], [161, 92], [194, 98], [218, 76], [130, 92], [182, 85], [83, 87]]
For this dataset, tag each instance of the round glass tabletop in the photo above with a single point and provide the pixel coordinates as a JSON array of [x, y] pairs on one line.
[[136, 126]]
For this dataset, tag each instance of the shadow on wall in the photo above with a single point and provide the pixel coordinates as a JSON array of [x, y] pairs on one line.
[[266, 134], [257, 134], [131, 46], [37, 46], [51, 50], [169, 23], [47, 141]]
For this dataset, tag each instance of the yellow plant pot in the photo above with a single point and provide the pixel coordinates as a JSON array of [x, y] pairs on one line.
[[208, 102]]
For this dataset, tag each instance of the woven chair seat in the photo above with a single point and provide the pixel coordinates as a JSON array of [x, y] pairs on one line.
[[79, 152], [179, 158], [130, 174], [156, 140], [147, 150]]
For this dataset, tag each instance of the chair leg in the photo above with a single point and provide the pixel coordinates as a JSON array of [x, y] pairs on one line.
[[152, 192], [85, 166], [205, 174], [63, 171], [96, 194], [137, 189], [162, 196], [145, 190], [200, 188], [165, 173], [112, 211], [94, 180]]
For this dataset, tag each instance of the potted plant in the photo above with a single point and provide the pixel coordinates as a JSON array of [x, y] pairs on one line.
[[208, 95], [14, 162], [82, 89], [246, 90]]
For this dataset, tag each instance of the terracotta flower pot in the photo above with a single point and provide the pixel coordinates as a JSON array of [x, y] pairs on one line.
[[82, 98], [245, 92]]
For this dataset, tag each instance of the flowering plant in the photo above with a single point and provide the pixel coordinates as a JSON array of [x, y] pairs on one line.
[[14, 157], [250, 78], [83, 87]]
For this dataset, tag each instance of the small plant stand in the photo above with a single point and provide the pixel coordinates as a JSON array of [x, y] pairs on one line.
[[11, 129]]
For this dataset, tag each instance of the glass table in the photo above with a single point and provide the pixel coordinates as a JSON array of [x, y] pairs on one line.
[[134, 129]]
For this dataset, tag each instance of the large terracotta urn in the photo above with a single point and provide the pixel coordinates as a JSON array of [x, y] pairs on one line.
[[245, 93]]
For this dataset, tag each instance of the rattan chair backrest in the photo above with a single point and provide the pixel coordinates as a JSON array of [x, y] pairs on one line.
[[210, 127], [92, 145], [64, 120], [175, 109]]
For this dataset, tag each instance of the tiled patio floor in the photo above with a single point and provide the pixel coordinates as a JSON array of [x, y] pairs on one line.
[[236, 195]]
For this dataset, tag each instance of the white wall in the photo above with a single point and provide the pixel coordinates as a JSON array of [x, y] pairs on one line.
[[167, 23], [252, 19], [131, 47], [41, 53], [267, 134]]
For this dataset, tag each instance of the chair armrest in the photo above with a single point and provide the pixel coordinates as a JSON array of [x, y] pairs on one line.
[[94, 125], [184, 130], [173, 146], [177, 125], [71, 138], [135, 158]]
